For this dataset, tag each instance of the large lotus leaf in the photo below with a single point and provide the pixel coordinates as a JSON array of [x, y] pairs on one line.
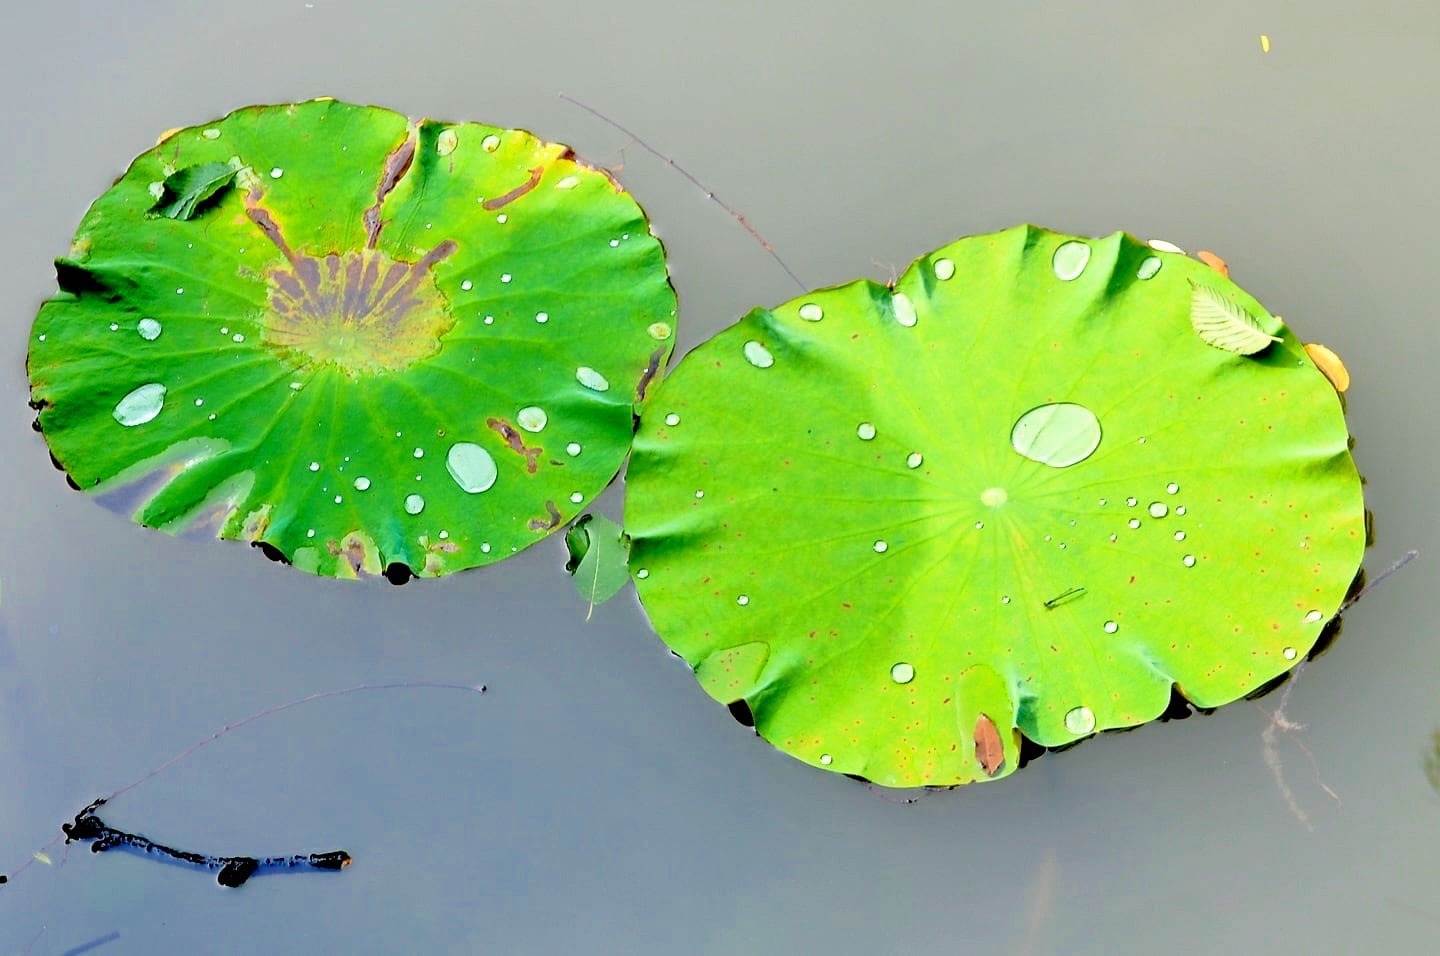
[[1018, 493], [357, 340]]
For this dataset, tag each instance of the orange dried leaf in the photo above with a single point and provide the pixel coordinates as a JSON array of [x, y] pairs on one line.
[[1214, 262], [989, 750], [1329, 363]]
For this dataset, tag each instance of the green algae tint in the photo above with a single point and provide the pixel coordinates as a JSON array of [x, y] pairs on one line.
[[362, 341], [1022, 492]]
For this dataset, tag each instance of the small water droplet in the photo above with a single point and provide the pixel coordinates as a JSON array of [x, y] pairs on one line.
[[237, 337], [485, 546], [1069, 260], [903, 309], [310, 533], [338, 499], [979, 525], [1180, 510], [542, 317], [699, 494], [1289, 653], [532, 418], [881, 547], [445, 534], [180, 291], [1005, 599], [276, 172], [1134, 522], [1158, 509], [148, 328], [811, 312], [1312, 617], [466, 286], [490, 143], [660, 331], [643, 573], [141, 405], [902, 673], [1172, 488], [576, 497], [672, 419], [210, 133], [1114, 537], [743, 600], [1132, 502], [414, 504], [1111, 627], [569, 182], [489, 320], [944, 269], [1104, 502], [572, 449], [1080, 720], [471, 466], [362, 483], [114, 326], [446, 142], [419, 453], [1149, 266], [826, 759], [199, 402], [502, 219], [1059, 435], [591, 379], [758, 355], [866, 431], [505, 277], [1188, 560], [614, 243], [915, 460], [1179, 536]]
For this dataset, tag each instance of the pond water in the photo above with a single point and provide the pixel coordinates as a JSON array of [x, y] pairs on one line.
[[594, 799]]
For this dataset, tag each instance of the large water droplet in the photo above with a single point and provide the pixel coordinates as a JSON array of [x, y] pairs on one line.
[[1166, 246], [532, 418], [881, 547], [743, 600], [1069, 260], [902, 673], [758, 355], [414, 504], [1188, 560], [1111, 627], [362, 483], [904, 309], [141, 405], [1290, 653], [866, 431], [811, 312], [1313, 616], [148, 328], [490, 143], [672, 419], [572, 449], [1059, 435], [944, 269], [1172, 488], [471, 466], [826, 759], [1158, 509], [1080, 720], [1149, 266], [591, 379], [915, 460], [446, 142]]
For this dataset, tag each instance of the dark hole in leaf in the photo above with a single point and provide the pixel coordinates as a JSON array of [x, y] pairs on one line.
[[270, 551], [1179, 708], [1268, 686], [398, 572], [741, 712], [1328, 636]]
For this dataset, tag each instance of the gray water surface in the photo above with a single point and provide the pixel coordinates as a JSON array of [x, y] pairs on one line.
[[594, 799]]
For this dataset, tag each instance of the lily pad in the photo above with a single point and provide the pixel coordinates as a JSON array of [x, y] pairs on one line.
[[1018, 493], [362, 342]]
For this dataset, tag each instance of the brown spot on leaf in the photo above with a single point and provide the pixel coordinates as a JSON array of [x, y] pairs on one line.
[[989, 750], [540, 524], [651, 370], [504, 200], [516, 442], [397, 164]]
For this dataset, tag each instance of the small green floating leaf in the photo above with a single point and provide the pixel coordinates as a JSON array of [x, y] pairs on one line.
[[395, 346], [599, 554], [185, 191], [1225, 324], [1034, 507]]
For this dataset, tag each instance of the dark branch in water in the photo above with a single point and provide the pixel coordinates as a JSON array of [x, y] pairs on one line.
[[234, 870]]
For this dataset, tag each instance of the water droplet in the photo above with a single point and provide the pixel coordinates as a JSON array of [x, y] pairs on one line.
[[944, 269], [532, 418], [811, 312], [591, 379], [276, 172], [542, 317], [904, 309], [1180, 510], [414, 504], [419, 453], [1114, 537], [1312, 617], [614, 243], [1005, 599], [902, 673], [866, 431], [569, 182], [758, 355], [660, 331], [1080, 720], [1164, 246], [141, 405], [310, 533], [1069, 260], [362, 483], [699, 494], [199, 402], [179, 291], [489, 320], [1132, 502], [471, 466], [502, 219], [643, 573], [1104, 502], [1059, 435], [490, 143], [485, 546], [237, 337], [576, 497], [1179, 536], [1134, 522], [1111, 627], [1172, 488], [994, 497], [672, 419], [915, 460], [743, 600], [148, 328], [505, 277], [981, 524], [210, 133], [1289, 653], [1158, 509], [1149, 266], [114, 326], [1188, 560], [446, 534], [881, 547], [466, 286], [826, 759], [338, 499], [446, 142], [572, 449]]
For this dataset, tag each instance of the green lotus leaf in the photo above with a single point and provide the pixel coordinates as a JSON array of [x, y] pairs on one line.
[[361, 342], [1017, 493]]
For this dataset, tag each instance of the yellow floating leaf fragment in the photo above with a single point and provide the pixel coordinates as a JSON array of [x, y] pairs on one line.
[[167, 134], [1329, 363], [1214, 262], [1264, 43], [43, 857]]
